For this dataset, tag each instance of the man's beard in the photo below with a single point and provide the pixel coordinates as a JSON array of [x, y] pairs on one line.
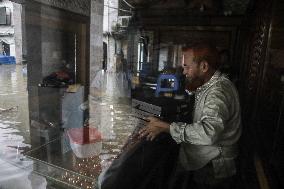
[[192, 84]]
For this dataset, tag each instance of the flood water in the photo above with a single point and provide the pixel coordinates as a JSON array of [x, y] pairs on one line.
[[16, 170], [61, 161], [14, 118]]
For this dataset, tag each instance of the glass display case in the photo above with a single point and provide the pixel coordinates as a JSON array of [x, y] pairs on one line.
[[77, 157]]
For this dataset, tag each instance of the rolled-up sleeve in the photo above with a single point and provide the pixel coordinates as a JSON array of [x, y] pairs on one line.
[[207, 128]]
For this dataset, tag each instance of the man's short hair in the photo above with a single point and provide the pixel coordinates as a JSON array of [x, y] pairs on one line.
[[204, 52]]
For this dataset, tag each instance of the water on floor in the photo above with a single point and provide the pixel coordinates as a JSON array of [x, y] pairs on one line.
[[74, 157], [16, 170]]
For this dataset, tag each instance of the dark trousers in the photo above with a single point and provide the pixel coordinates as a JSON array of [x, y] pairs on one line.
[[200, 179]]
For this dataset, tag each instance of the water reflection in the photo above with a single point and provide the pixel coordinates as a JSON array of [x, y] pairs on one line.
[[71, 153], [82, 153], [13, 95], [16, 170]]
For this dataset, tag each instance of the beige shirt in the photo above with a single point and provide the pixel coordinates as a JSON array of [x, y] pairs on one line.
[[215, 129]]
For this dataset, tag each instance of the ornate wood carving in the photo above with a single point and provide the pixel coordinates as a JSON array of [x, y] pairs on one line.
[[256, 55], [258, 48], [268, 109], [256, 30]]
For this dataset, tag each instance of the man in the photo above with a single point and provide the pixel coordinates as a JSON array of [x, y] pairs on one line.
[[208, 145]]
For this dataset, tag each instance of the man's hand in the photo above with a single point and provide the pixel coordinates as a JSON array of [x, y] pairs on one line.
[[154, 128]]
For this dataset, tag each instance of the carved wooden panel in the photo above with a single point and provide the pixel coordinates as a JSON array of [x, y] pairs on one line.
[[264, 90], [256, 56], [270, 108], [258, 50], [257, 24]]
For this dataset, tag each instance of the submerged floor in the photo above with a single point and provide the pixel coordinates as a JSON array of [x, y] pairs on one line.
[[60, 161], [16, 172]]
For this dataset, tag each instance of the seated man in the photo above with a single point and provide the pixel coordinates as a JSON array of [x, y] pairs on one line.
[[208, 145]]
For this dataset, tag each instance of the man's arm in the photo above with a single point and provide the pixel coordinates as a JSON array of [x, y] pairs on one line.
[[207, 129], [203, 132]]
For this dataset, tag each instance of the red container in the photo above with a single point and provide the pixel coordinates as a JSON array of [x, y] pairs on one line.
[[85, 142]]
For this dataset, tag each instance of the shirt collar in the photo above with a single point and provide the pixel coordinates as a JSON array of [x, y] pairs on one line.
[[212, 80]]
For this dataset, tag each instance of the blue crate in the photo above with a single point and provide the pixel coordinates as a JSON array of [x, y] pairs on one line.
[[7, 60]]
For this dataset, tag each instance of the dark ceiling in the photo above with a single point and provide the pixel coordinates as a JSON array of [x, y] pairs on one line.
[[235, 7]]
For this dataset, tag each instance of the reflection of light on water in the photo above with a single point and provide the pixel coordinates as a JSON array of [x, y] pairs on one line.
[[11, 122], [7, 94], [11, 143], [115, 129], [119, 118], [14, 80], [13, 177], [16, 170]]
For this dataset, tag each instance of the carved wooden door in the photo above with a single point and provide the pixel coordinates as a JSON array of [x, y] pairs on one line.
[[262, 90]]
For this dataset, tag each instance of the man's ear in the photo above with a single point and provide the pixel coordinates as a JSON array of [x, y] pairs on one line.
[[204, 66]]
